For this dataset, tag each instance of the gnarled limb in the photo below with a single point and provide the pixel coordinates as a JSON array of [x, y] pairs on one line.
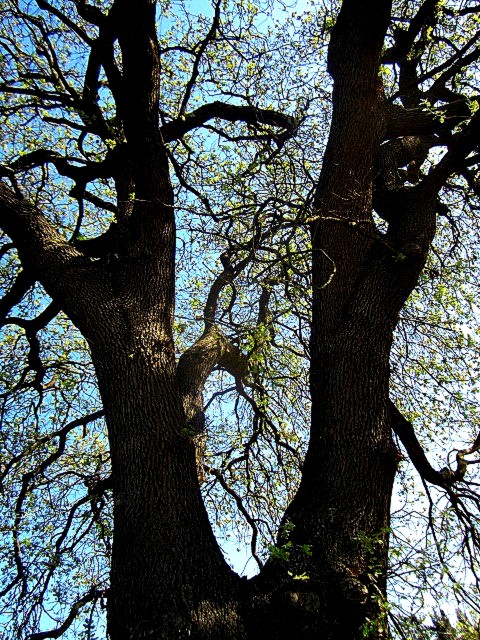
[[195, 365], [68, 276], [445, 478], [409, 122], [92, 594], [248, 114]]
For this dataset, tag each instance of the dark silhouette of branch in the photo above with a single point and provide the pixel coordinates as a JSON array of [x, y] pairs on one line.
[[93, 594], [22, 284], [198, 56], [445, 478], [241, 507], [232, 113]]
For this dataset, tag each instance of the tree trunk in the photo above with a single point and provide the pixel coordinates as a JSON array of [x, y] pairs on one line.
[[168, 577], [337, 525]]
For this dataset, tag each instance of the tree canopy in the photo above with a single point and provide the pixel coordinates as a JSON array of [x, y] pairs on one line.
[[239, 278]]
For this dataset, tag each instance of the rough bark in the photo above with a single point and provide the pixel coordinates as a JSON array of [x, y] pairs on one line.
[[168, 576], [361, 279], [342, 515]]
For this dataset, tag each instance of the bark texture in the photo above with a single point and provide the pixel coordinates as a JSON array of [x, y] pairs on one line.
[[342, 507]]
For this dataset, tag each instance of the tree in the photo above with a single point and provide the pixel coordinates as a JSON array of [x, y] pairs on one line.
[[104, 105]]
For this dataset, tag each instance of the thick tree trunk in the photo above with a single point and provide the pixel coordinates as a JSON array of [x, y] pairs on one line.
[[168, 577], [342, 508], [337, 525]]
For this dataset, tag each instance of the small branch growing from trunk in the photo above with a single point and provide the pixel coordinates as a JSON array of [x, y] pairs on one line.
[[195, 365], [445, 478]]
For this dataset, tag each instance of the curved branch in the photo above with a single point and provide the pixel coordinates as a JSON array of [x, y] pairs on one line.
[[210, 37], [102, 54], [81, 33], [82, 174], [68, 276], [210, 350], [239, 502], [461, 145], [59, 433], [404, 40], [22, 284], [231, 113], [445, 478], [195, 365], [38, 242], [93, 594]]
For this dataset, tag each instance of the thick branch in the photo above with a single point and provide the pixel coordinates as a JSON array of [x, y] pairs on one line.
[[409, 122], [71, 279], [232, 113], [102, 54], [81, 174], [393, 201], [90, 13], [404, 40], [195, 365], [390, 179], [459, 148], [38, 242], [406, 433]]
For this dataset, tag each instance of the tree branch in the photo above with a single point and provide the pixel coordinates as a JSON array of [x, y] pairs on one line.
[[86, 172], [22, 284], [232, 113], [81, 33], [459, 147], [90, 13], [196, 364], [198, 56], [444, 478], [137, 37], [210, 350], [409, 122], [59, 433], [38, 242], [93, 594], [241, 507], [404, 40], [68, 276]]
